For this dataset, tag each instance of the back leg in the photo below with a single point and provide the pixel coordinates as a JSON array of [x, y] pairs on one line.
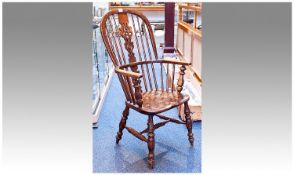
[[122, 124], [188, 123]]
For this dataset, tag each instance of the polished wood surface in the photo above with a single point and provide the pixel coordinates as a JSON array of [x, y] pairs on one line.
[[129, 40], [151, 141], [188, 122], [155, 102], [137, 134], [122, 123]]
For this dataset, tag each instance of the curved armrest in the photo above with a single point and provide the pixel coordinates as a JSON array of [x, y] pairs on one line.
[[183, 63], [170, 61], [135, 82], [128, 73]]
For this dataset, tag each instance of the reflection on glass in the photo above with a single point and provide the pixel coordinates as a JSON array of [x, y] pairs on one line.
[[102, 66]]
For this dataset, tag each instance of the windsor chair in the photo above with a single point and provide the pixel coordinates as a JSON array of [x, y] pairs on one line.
[[129, 40]]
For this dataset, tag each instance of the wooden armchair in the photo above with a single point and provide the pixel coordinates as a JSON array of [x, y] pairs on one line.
[[129, 40]]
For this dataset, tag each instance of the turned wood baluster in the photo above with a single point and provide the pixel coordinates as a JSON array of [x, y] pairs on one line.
[[122, 124], [138, 91], [151, 142], [181, 79], [188, 123]]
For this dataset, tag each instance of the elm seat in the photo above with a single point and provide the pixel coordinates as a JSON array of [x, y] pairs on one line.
[[160, 101], [130, 43]]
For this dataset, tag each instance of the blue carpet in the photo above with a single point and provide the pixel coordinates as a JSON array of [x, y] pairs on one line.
[[173, 152]]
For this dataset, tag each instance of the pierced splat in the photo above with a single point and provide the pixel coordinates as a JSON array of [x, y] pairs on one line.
[[126, 32]]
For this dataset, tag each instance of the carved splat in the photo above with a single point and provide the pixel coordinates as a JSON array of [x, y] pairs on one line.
[[126, 32]]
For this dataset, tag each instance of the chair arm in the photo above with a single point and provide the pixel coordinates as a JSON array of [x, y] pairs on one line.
[[183, 63], [128, 73], [180, 82], [169, 61], [135, 78]]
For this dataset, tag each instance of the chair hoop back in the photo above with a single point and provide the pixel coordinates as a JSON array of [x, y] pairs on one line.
[[128, 37]]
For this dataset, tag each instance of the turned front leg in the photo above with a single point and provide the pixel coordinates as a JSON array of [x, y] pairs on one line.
[[151, 142], [188, 123], [181, 79], [122, 124]]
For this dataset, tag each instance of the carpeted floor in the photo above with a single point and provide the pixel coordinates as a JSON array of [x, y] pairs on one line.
[[173, 152]]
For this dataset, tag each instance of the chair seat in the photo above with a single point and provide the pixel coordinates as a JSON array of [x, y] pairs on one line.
[[160, 101]]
